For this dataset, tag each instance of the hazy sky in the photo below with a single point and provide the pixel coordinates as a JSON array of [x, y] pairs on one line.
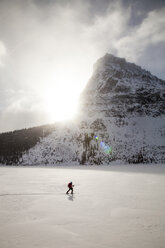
[[48, 48]]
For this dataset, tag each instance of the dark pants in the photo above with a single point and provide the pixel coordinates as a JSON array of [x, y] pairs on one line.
[[69, 190]]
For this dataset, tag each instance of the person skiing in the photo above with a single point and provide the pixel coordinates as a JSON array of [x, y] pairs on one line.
[[70, 186]]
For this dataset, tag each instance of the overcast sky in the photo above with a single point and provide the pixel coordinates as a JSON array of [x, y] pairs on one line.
[[48, 48]]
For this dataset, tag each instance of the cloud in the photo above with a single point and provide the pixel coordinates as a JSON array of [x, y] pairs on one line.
[[51, 47], [47, 39], [19, 109], [150, 32], [3, 52], [108, 28]]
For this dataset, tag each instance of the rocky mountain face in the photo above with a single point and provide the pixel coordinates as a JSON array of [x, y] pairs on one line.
[[121, 89], [121, 117]]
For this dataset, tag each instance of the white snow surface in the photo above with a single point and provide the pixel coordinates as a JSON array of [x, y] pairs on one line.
[[112, 206]]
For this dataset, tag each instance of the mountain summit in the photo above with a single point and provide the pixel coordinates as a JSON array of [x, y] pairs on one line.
[[121, 117], [121, 89]]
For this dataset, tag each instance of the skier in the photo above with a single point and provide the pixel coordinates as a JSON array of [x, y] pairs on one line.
[[70, 186]]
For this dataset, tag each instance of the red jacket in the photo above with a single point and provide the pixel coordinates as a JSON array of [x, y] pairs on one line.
[[70, 185]]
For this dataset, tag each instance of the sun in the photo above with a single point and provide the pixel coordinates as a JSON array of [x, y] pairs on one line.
[[61, 102], [61, 92]]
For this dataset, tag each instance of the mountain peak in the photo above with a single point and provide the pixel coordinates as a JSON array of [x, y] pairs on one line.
[[110, 58], [120, 87], [111, 61]]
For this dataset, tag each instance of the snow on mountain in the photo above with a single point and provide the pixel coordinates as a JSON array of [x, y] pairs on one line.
[[121, 117], [122, 89]]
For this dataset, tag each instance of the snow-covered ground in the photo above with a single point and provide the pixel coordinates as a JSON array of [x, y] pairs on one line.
[[116, 206]]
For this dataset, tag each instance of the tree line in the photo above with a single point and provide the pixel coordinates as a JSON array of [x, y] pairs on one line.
[[13, 144]]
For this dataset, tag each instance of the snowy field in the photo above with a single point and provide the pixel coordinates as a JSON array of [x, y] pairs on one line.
[[113, 207]]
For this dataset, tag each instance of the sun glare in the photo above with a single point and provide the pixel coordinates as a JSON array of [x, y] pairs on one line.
[[61, 102], [65, 81]]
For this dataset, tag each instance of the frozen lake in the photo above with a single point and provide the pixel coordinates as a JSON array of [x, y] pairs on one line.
[[113, 207]]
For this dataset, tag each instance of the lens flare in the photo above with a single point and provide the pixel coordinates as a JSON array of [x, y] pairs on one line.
[[106, 148]]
